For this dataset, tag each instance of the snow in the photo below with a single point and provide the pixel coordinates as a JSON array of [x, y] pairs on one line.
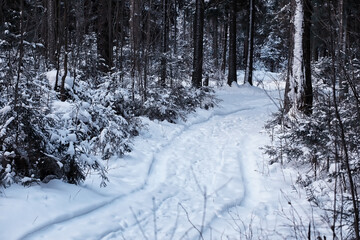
[[51, 76], [207, 172], [3, 127], [5, 110], [71, 149]]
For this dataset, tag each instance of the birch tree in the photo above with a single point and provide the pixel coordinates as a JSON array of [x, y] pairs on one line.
[[298, 92]]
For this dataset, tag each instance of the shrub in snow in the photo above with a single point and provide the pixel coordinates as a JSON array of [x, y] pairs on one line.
[[24, 135], [42, 138], [91, 130], [175, 103]]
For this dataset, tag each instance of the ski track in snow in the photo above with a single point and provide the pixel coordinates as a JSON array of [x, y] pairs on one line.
[[210, 152]]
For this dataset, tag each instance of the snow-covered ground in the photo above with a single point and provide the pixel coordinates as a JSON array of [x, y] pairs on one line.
[[206, 175]]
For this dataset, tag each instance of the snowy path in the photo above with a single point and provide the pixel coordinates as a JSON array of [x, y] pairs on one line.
[[202, 175]]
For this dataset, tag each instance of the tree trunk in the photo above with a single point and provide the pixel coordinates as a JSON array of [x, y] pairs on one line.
[[198, 44], [250, 49], [299, 90], [165, 36], [147, 49], [215, 49], [135, 35], [104, 35], [51, 40], [58, 42], [175, 27], [344, 88], [79, 37], [20, 63], [225, 37], [62, 89], [121, 30], [308, 92], [232, 44], [287, 101]]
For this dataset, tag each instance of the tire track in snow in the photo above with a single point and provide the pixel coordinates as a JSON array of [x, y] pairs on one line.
[[222, 132], [101, 205], [239, 202], [186, 128], [172, 140], [235, 203]]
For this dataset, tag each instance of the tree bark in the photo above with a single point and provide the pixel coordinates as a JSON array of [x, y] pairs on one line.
[[198, 44], [215, 50], [147, 50], [135, 35], [165, 36], [19, 71], [287, 100], [120, 41], [225, 37], [51, 40], [62, 89], [299, 90], [232, 44], [250, 49], [175, 27], [344, 87], [104, 35], [308, 92]]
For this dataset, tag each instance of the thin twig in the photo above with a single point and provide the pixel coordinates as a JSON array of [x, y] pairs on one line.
[[204, 214], [188, 218], [138, 223]]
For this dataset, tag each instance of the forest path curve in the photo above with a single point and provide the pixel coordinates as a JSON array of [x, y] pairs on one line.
[[210, 159]]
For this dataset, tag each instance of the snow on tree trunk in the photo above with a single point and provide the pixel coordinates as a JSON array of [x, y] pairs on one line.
[[297, 77]]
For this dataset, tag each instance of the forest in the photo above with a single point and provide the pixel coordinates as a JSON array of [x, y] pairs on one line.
[[77, 76]]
